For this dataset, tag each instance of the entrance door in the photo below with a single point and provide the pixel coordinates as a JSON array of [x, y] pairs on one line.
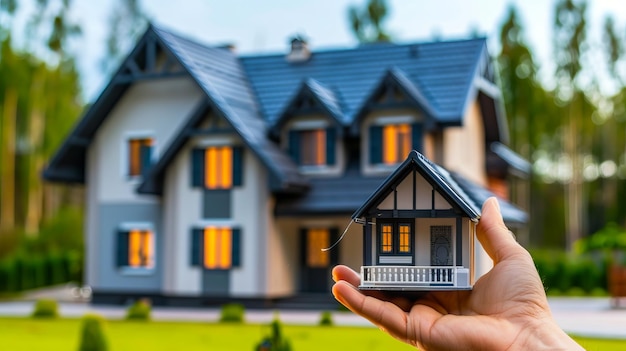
[[317, 264], [441, 245]]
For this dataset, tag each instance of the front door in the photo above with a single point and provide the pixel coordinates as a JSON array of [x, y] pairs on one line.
[[441, 245], [317, 264]]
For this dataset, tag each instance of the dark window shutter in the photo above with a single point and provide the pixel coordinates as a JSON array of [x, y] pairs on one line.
[[197, 167], [330, 146], [417, 136], [334, 253], [237, 166], [145, 154], [376, 144], [236, 247], [294, 145], [122, 248], [303, 246], [196, 246]]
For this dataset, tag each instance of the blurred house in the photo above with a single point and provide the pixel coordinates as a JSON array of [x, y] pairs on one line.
[[212, 176]]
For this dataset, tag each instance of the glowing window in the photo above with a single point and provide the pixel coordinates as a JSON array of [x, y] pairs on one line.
[[397, 143], [140, 248], [405, 238], [139, 155], [386, 245], [218, 167], [317, 239], [313, 147], [217, 248]]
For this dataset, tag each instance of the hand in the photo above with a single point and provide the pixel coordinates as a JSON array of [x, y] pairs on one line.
[[506, 310]]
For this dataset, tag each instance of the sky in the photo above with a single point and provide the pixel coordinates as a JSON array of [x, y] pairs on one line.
[[256, 26]]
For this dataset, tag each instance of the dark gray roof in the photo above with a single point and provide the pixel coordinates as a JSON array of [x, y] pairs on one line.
[[323, 95], [444, 72], [517, 163]]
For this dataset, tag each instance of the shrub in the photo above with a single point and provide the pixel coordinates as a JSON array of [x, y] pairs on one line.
[[576, 292], [275, 341], [326, 319], [139, 311], [46, 308], [92, 337], [232, 313]]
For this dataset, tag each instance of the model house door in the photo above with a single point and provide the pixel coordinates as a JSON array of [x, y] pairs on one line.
[[441, 245], [317, 264]]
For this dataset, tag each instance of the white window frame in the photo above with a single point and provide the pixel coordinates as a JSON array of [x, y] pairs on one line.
[[125, 152], [141, 271]]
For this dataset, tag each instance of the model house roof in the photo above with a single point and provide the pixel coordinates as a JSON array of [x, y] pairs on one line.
[[465, 197], [255, 94]]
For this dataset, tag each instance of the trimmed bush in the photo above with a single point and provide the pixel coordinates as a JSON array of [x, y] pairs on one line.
[[92, 337], [326, 319], [139, 311], [46, 308], [275, 341], [232, 313]]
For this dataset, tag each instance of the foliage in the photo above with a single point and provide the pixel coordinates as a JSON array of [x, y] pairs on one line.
[[46, 308], [367, 22], [140, 310], [610, 238], [23, 272], [275, 341], [232, 313], [92, 336], [569, 273], [326, 319]]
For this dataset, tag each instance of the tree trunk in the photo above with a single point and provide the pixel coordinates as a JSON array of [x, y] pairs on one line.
[[7, 156], [35, 160]]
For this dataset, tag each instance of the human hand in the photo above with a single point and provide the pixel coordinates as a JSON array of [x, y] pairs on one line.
[[506, 310]]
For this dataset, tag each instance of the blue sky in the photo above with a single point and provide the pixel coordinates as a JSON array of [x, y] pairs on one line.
[[265, 26]]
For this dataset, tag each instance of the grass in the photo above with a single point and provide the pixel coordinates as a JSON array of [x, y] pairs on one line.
[[27, 334]]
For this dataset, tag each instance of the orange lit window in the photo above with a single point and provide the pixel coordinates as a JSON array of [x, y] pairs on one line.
[[139, 155], [396, 143], [405, 238], [313, 147], [218, 167], [386, 244], [317, 239], [217, 248], [140, 248]]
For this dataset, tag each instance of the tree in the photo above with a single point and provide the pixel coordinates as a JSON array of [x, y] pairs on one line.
[[126, 22], [367, 23], [570, 30]]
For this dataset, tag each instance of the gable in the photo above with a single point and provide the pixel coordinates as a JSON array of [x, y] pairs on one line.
[[418, 190]]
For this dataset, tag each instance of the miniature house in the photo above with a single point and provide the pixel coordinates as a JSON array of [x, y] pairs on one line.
[[418, 231], [211, 176]]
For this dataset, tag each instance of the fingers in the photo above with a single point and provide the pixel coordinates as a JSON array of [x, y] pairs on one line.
[[493, 234], [383, 314], [341, 272]]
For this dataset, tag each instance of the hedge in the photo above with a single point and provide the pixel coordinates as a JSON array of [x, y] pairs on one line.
[[25, 272]]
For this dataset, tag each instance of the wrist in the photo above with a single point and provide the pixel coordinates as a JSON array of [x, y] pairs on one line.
[[546, 335]]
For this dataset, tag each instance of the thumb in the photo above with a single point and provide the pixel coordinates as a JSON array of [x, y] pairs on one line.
[[493, 234]]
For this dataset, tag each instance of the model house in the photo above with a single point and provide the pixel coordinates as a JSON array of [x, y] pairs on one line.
[[418, 231], [213, 176]]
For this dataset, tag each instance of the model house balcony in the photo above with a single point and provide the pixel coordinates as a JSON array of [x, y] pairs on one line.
[[415, 277]]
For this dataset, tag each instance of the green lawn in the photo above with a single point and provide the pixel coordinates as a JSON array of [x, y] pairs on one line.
[[18, 334]]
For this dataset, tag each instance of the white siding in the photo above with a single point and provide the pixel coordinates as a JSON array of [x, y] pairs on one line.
[[151, 108]]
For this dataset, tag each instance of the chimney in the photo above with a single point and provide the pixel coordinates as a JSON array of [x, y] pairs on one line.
[[299, 50], [229, 46]]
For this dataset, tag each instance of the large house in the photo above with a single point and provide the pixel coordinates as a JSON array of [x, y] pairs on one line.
[[212, 176]]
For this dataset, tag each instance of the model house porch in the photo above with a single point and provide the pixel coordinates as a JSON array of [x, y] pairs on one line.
[[418, 232]]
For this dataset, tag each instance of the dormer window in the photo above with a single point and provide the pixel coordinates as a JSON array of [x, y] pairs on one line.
[[313, 147], [391, 143]]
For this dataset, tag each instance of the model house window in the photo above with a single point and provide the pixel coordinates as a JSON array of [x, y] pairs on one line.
[[216, 247], [314, 147], [390, 144], [217, 167], [139, 156], [395, 238], [317, 239], [135, 248]]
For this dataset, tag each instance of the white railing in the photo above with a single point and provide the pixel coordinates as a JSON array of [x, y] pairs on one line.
[[380, 276]]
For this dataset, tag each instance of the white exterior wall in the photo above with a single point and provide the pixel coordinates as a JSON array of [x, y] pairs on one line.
[[405, 196], [464, 147], [155, 108]]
